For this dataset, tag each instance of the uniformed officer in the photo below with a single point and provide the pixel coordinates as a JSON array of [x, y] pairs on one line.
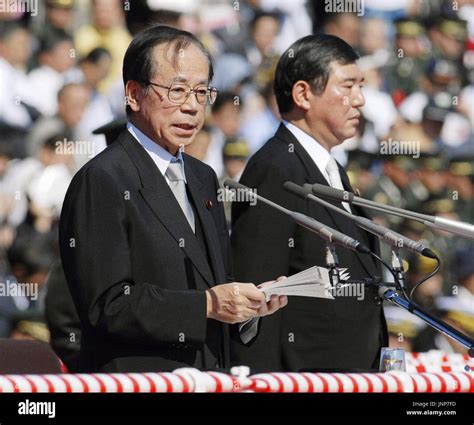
[[409, 59]]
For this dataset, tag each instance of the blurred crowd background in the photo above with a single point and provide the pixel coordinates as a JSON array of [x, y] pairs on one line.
[[60, 81]]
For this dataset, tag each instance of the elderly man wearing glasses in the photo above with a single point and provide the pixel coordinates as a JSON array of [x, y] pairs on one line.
[[144, 242]]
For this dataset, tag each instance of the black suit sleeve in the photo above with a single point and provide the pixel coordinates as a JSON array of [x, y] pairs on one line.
[[63, 321], [96, 258]]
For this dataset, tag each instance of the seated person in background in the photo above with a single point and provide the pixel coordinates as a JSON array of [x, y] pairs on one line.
[[56, 56], [403, 327], [22, 289], [235, 153], [456, 309], [226, 120], [73, 100]]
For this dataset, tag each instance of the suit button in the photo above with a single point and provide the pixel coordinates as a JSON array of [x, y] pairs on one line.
[[209, 204]]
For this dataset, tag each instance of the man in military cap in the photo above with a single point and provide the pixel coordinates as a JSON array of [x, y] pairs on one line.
[[433, 117], [448, 36], [403, 327], [456, 314], [60, 15], [235, 154], [396, 187], [409, 59], [460, 177], [464, 267], [441, 204], [430, 171], [441, 81], [359, 169], [442, 76]]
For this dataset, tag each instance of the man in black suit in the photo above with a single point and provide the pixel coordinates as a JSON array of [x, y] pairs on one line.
[[144, 242], [318, 90]]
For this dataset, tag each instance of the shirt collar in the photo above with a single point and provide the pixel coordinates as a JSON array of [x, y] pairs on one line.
[[315, 150], [160, 156]]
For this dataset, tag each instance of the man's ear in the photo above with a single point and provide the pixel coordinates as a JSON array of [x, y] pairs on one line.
[[300, 93], [133, 94]]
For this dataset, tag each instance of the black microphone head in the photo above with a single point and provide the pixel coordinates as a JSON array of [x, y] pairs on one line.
[[329, 192], [363, 249], [297, 189], [429, 253]]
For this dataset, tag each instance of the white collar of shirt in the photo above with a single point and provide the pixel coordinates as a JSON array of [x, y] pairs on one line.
[[160, 156], [315, 150]]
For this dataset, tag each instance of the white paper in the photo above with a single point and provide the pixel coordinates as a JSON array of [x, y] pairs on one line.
[[312, 282]]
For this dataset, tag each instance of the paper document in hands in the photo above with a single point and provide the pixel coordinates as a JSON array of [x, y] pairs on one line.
[[312, 282]]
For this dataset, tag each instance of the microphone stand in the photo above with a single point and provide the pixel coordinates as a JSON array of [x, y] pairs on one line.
[[332, 263], [393, 297], [383, 288], [394, 239], [397, 267], [387, 291]]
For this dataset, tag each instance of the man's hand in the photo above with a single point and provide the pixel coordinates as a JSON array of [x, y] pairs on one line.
[[276, 302], [234, 302], [238, 302]]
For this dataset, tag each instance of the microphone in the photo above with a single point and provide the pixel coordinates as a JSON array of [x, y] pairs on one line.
[[389, 236], [327, 233], [459, 228]]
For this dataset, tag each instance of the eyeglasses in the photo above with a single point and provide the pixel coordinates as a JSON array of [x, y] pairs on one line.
[[179, 93]]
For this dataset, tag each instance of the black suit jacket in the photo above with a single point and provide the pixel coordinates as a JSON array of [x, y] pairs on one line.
[[63, 322], [136, 271], [310, 333]]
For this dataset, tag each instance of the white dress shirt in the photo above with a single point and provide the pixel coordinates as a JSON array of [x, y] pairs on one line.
[[160, 156], [13, 85], [43, 85], [320, 156], [315, 150]]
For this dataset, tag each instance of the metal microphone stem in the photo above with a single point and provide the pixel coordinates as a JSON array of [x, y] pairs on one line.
[[332, 263]]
